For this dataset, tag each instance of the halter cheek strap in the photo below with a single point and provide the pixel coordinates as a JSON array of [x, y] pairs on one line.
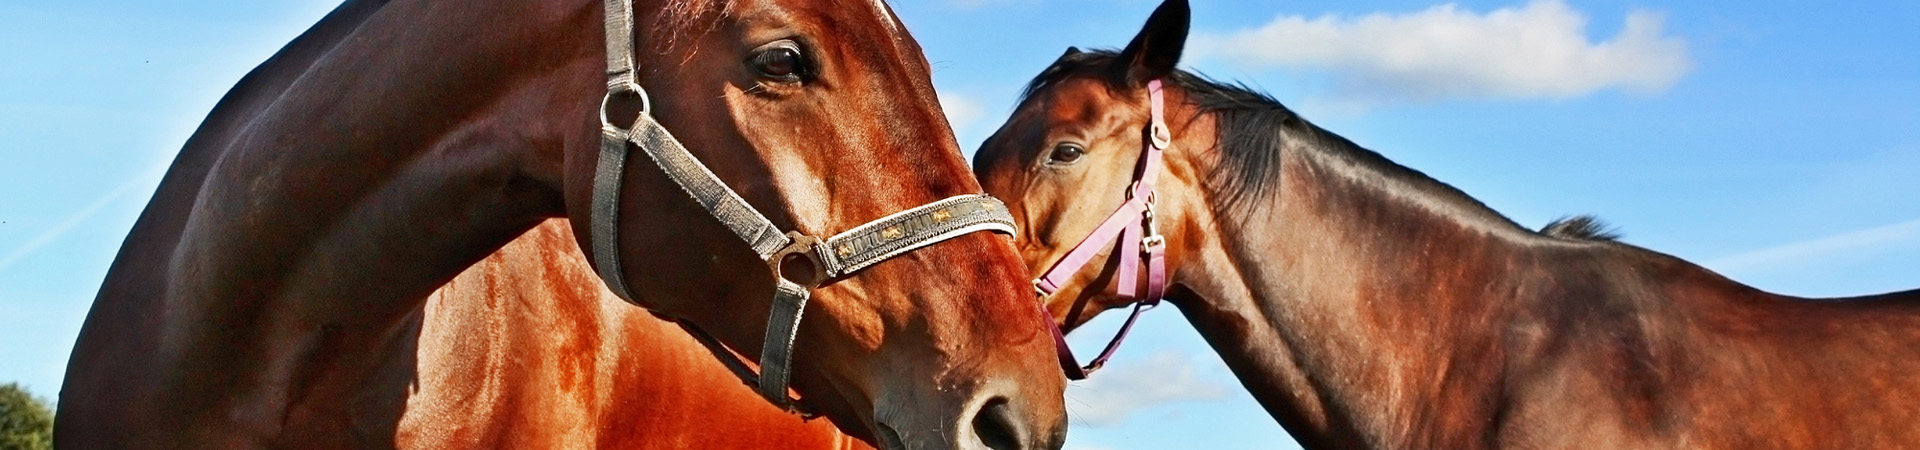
[[837, 256], [1134, 226]]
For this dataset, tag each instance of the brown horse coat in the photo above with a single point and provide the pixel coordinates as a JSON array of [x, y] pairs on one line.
[[526, 349], [1366, 305], [269, 293]]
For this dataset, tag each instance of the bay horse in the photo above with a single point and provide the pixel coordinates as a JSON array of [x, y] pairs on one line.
[[262, 298], [1366, 305], [525, 349]]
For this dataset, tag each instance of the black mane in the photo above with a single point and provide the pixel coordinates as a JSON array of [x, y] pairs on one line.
[[1251, 126], [1581, 228]]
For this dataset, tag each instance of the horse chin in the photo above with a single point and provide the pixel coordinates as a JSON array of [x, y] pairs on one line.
[[889, 439], [987, 418], [895, 428], [1084, 306]]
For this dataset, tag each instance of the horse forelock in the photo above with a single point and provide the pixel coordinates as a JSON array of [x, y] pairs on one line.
[[678, 19], [1248, 123]]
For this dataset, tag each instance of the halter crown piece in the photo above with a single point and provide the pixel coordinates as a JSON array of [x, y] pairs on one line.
[[836, 256], [1133, 224]]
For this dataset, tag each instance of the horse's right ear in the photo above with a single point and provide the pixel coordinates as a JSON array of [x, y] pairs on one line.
[[1156, 50], [1070, 52]]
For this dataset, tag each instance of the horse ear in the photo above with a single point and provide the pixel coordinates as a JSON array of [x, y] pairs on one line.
[[1156, 50], [1071, 50]]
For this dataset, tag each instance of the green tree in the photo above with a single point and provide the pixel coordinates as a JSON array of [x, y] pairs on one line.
[[26, 423]]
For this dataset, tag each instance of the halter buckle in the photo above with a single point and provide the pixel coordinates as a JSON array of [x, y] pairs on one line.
[[1153, 240]]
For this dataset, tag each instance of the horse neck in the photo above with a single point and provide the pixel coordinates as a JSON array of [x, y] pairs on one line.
[[398, 151], [1355, 301], [298, 239]]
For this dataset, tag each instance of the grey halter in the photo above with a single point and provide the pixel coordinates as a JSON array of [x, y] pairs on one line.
[[836, 256]]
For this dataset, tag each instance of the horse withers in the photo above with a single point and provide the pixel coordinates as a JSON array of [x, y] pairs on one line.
[[1366, 305], [262, 297]]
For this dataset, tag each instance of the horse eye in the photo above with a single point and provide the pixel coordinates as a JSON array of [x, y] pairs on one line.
[[779, 61], [1066, 154]]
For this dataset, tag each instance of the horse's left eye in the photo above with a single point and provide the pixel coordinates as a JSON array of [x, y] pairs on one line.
[[1066, 154], [780, 61]]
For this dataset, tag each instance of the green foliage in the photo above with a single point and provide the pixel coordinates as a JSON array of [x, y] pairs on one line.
[[26, 423]]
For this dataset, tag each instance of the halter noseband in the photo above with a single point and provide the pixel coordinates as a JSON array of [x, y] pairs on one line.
[[1133, 224], [839, 255]]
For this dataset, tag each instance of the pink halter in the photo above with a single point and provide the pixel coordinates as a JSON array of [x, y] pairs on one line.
[[1133, 224]]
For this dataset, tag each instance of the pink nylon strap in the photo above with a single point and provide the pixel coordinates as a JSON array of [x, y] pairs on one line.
[[1133, 224], [1090, 246]]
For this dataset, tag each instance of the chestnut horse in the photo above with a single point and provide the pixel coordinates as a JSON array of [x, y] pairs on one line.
[[512, 346], [264, 297], [1366, 305]]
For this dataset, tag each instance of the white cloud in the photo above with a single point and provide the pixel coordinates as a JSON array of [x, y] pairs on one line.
[[1107, 398], [961, 111], [1539, 50], [1857, 241]]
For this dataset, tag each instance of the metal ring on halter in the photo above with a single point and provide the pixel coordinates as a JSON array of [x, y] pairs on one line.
[[625, 87], [805, 247]]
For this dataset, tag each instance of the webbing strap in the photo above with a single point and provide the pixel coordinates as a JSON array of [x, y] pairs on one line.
[[739, 366], [1132, 223], [619, 40], [1090, 246], [605, 211], [912, 229], [667, 152], [726, 206], [783, 325], [612, 162], [706, 188], [851, 251]]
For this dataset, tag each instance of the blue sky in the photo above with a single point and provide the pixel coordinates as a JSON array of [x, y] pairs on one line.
[[1777, 142]]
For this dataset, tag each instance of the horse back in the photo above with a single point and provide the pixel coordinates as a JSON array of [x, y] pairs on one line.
[[1679, 356]]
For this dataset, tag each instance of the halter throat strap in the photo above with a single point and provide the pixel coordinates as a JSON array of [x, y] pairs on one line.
[[837, 256], [1140, 244]]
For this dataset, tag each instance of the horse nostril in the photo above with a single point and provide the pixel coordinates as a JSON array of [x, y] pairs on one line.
[[997, 426]]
